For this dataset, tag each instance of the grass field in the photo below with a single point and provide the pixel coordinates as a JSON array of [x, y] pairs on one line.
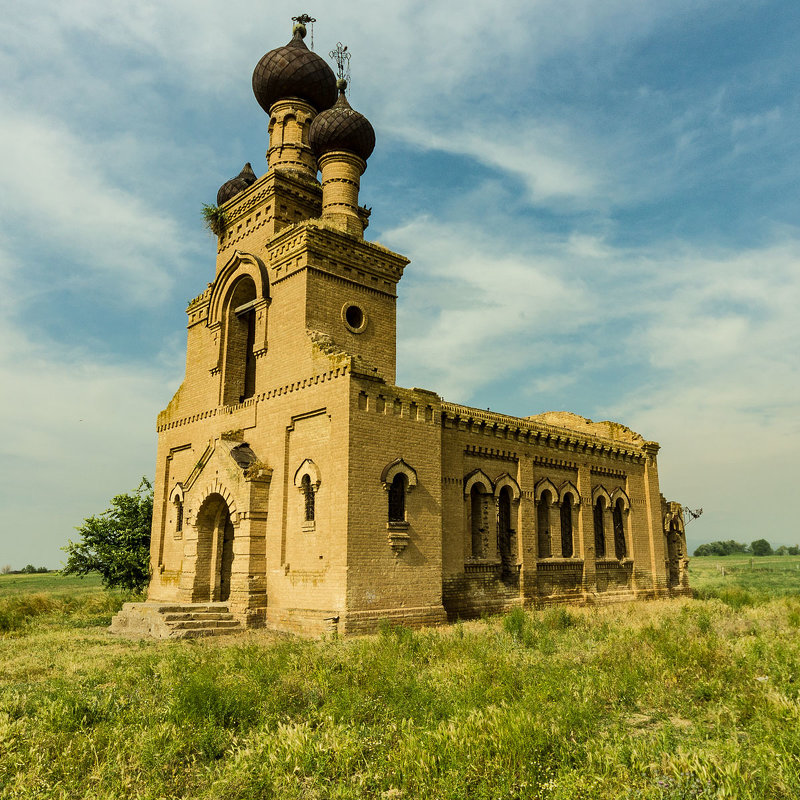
[[669, 699]]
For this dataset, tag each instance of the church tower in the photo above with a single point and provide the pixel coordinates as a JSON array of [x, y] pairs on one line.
[[276, 467]]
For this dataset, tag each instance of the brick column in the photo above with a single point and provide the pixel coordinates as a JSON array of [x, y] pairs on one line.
[[586, 529]]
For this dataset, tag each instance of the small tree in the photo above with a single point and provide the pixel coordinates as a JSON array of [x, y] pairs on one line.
[[761, 547], [5, 569], [116, 543]]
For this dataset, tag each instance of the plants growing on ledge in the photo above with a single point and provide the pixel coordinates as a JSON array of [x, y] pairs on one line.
[[214, 218]]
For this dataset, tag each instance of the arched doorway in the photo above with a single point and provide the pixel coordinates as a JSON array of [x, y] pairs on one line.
[[215, 534]]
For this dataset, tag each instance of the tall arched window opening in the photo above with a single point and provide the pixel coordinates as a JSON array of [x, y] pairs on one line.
[[240, 361], [599, 530], [566, 525], [619, 531], [397, 498], [308, 497], [477, 527], [504, 530], [543, 524]]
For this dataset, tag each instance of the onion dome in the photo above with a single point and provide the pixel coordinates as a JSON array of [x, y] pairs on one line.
[[294, 71], [235, 185], [341, 128]]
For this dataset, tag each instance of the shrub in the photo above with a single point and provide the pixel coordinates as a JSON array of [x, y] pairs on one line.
[[117, 542]]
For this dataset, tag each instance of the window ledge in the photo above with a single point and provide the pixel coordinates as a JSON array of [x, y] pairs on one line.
[[397, 525], [399, 538], [309, 525]]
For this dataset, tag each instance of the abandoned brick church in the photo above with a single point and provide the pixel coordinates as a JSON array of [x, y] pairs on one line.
[[299, 488]]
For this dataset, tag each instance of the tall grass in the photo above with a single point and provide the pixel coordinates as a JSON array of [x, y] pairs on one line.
[[662, 700], [20, 612]]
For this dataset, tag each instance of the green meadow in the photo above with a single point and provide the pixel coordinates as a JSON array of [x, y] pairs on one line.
[[674, 699]]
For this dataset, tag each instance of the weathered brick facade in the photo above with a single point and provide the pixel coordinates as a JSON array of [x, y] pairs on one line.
[[297, 483]]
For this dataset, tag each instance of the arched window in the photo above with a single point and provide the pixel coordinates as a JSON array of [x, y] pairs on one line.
[[566, 525], [240, 337], [307, 481], [176, 498], [476, 516], [619, 531], [398, 479], [543, 524], [397, 498], [599, 530], [504, 510], [178, 515], [505, 532], [308, 495]]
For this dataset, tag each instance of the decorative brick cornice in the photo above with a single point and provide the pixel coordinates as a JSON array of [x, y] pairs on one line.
[[555, 463], [490, 452], [534, 432], [295, 386]]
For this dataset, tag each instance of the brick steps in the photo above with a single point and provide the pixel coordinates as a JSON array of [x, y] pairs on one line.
[[174, 621]]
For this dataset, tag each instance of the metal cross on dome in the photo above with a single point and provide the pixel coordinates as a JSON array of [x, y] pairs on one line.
[[305, 19], [342, 58]]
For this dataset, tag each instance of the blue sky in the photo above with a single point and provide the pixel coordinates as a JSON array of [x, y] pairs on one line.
[[599, 200]]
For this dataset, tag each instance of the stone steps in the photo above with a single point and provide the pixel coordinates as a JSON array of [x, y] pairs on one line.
[[174, 621]]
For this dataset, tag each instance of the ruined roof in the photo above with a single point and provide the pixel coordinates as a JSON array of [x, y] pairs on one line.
[[579, 424]]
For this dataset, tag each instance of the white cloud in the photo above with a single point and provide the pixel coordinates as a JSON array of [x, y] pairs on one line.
[[51, 181]]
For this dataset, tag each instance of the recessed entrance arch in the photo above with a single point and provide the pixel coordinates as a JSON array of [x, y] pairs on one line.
[[215, 535]]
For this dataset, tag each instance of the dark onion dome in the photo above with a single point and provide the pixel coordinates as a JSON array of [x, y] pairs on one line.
[[341, 128], [294, 71], [235, 185]]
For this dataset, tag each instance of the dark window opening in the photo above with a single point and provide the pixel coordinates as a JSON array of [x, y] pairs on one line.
[[476, 515], [566, 526], [599, 530], [249, 319], [240, 339], [505, 531], [354, 316], [397, 499], [543, 525], [619, 531], [178, 516], [308, 495]]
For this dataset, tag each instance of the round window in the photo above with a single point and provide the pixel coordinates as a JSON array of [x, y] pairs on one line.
[[354, 317]]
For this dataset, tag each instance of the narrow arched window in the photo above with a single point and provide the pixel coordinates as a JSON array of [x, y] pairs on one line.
[[504, 530], [543, 525], [566, 526], [504, 510], [308, 495], [397, 498], [619, 531], [476, 528], [599, 530]]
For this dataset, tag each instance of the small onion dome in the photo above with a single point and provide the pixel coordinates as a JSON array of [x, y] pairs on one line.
[[341, 128], [294, 71], [235, 185]]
